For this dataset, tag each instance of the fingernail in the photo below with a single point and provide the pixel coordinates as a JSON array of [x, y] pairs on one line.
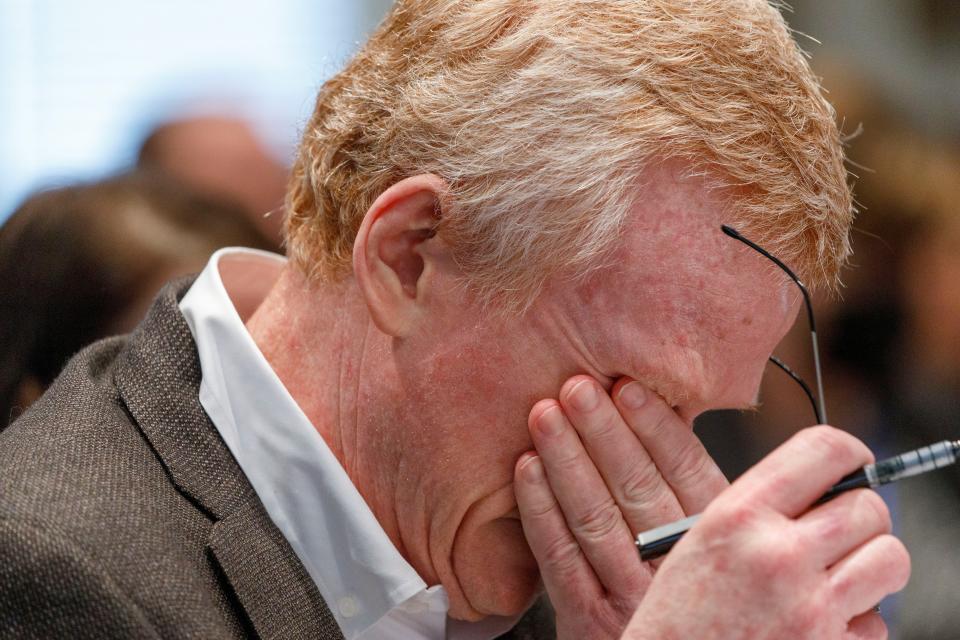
[[584, 396], [633, 395], [550, 421], [532, 470]]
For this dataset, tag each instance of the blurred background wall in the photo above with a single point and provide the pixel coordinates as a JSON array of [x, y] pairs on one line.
[[82, 83], [908, 50]]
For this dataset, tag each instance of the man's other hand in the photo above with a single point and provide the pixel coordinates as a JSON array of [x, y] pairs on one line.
[[761, 564], [606, 467]]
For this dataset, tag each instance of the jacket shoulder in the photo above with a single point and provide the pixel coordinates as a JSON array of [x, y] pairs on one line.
[[51, 589], [81, 489], [76, 455]]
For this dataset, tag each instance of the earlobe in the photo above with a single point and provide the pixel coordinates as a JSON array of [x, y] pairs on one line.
[[390, 266]]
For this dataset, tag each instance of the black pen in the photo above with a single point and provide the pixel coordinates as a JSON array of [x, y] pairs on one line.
[[658, 542]]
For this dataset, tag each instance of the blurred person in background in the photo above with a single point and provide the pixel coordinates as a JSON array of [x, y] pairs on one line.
[[221, 156], [83, 262]]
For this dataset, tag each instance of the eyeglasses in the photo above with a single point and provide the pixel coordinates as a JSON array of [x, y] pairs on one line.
[[819, 409]]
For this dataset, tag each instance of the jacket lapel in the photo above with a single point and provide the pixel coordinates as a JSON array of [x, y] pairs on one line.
[[158, 376], [279, 597]]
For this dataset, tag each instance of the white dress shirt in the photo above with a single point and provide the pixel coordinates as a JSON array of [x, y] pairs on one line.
[[370, 589]]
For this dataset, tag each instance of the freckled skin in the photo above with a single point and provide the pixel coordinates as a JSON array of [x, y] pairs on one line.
[[429, 427]]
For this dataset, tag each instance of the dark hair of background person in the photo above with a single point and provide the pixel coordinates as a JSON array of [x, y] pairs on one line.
[[83, 262]]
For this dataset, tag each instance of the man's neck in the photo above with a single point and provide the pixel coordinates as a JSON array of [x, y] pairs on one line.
[[301, 349], [317, 340]]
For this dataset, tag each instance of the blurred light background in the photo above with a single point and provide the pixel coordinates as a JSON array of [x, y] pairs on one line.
[[83, 83]]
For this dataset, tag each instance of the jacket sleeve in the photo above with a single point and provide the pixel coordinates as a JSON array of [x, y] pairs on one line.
[[50, 589]]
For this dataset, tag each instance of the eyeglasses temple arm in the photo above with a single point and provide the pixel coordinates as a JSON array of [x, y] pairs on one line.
[[822, 411], [806, 389]]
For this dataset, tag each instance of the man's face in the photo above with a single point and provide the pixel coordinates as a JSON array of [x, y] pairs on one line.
[[688, 311]]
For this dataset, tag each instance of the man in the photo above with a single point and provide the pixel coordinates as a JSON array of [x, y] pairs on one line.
[[494, 201]]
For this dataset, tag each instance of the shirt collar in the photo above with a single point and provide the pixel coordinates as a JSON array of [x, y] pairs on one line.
[[305, 490]]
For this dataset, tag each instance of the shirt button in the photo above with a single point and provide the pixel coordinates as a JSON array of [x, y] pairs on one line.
[[348, 607]]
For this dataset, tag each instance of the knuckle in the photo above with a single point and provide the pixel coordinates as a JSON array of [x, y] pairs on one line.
[[599, 522], [830, 524], [842, 584], [642, 486], [771, 564], [833, 444], [539, 510], [567, 462], [689, 467], [650, 420], [730, 515], [561, 555], [876, 508], [778, 558], [602, 428], [656, 421], [830, 440]]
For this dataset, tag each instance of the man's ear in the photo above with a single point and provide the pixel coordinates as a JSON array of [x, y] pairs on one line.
[[390, 265]]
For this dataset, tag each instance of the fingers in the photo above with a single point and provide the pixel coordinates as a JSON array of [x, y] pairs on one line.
[[862, 579], [801, 470], [590, 512], [566, 574], [832, 530], [633, 479], [866, 626], [692, 475]]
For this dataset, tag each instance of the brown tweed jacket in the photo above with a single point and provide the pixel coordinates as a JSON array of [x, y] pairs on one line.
[[124, 515]]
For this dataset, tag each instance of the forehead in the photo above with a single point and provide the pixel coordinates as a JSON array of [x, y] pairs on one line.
[[673, 238], [694, 274], [684, 304]]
